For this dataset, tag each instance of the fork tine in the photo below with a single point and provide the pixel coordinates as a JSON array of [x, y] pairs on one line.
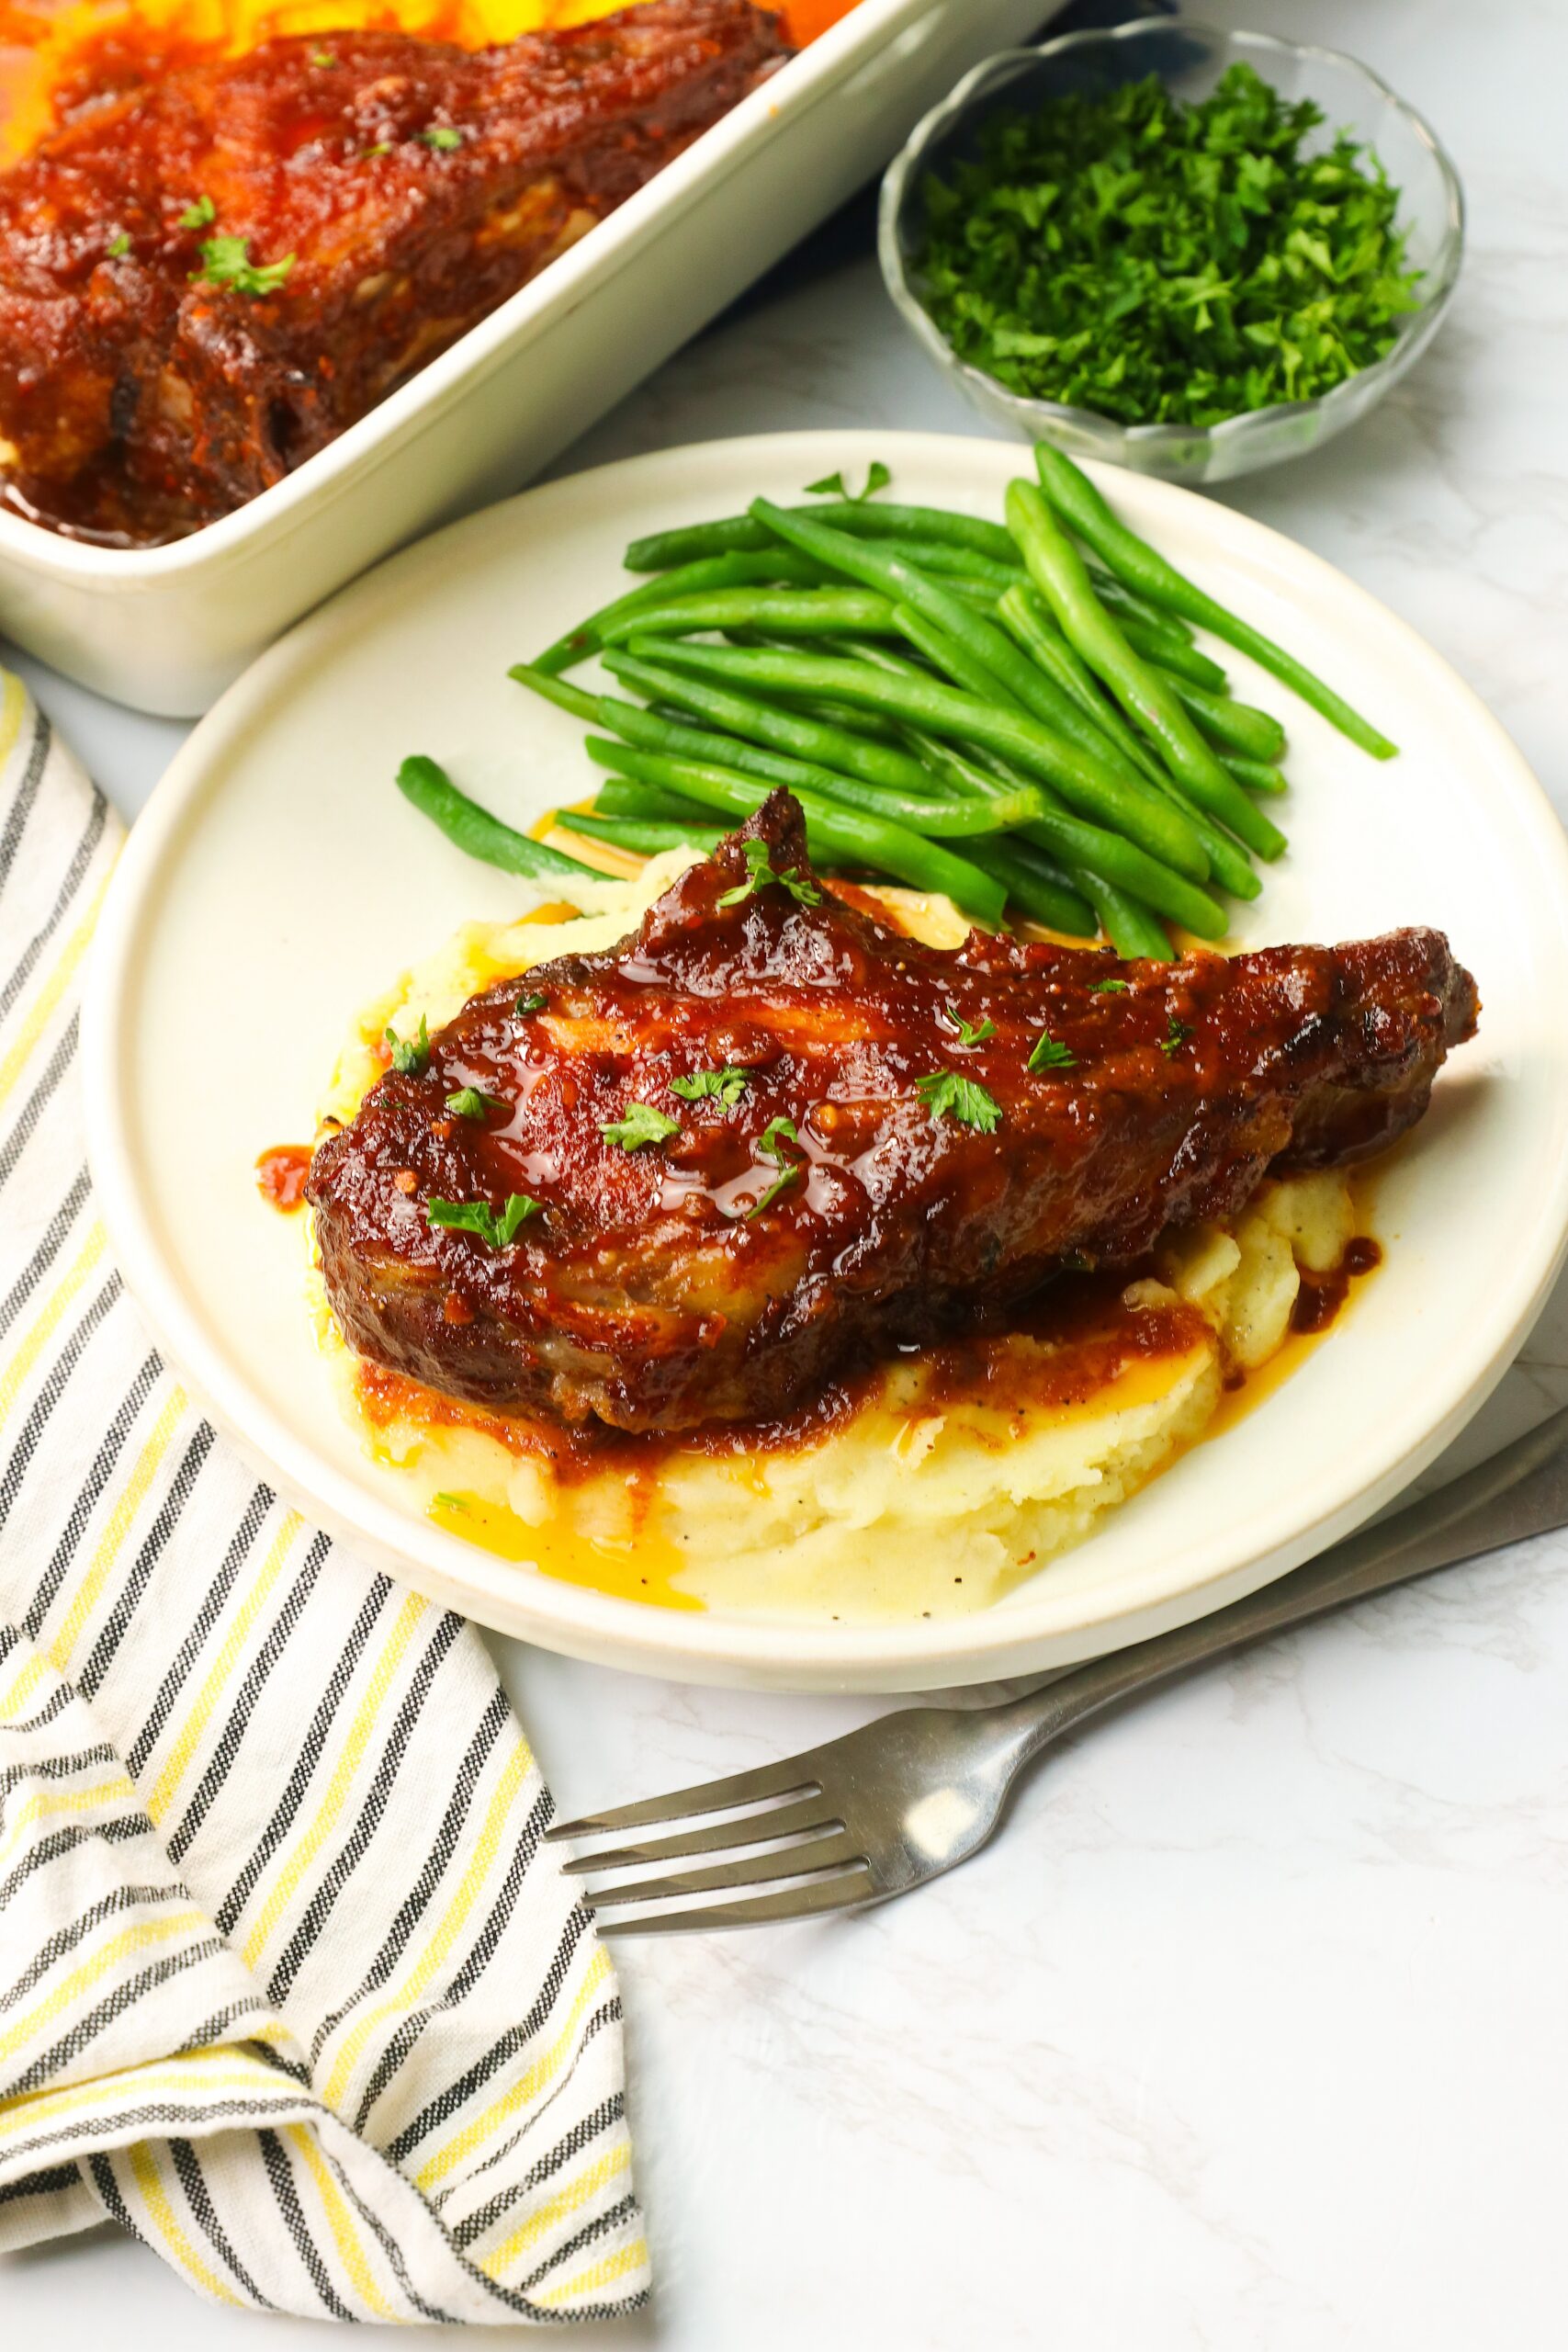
[[736, 1877], [750, 1829], [792, 1778], [842, 1890]]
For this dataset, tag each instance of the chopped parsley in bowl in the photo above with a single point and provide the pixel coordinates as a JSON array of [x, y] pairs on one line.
[[1187, 251]]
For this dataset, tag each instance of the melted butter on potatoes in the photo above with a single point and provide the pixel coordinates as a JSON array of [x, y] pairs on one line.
[[946, 1479]]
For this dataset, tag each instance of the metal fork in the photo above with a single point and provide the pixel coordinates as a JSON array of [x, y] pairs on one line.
[[903, 1799]]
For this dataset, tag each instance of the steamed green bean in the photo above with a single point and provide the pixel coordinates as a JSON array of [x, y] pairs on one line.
[[1059, 572], [1143, 569], [833, 832]]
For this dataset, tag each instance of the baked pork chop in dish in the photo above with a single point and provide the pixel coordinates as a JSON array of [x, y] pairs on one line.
[[205, 276], [695, 1178]]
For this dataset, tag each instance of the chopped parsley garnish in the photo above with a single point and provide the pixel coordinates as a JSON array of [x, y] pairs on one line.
[[468, 1102], [771, 1143], [1177, 1035], [382, 147], [197, 215], [760, 874], [442, 137], [966, 1035], [948, 1096], [642, 1124], [832, 485], [121, 245], [725, 1085], [1110, 987], [535, 1001], [411, 1055], [226, 261], [1158, 262], [479, 1218], [323, 57], [1049, 1053]]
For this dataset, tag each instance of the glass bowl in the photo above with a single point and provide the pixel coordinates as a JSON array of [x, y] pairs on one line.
[[1189, 59]]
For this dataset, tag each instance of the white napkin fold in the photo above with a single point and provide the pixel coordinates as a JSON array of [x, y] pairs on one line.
[[289, 1986]]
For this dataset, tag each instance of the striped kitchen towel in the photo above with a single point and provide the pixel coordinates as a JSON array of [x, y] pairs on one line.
[[289, 1984]]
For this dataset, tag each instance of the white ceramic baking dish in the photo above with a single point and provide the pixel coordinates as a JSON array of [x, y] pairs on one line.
[[166, 629]]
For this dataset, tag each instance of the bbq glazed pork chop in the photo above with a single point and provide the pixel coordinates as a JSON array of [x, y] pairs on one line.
[[206, 276], [896, 1141]]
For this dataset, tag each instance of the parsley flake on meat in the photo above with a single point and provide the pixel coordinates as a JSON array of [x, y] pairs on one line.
[[411, 1055], [771, 1143], [468, 1102], [1049, 1053], [640, 1123], [478, 1217], [968, 1036], [725, 1085], [948, 1096], [760, 874], [226, 261]]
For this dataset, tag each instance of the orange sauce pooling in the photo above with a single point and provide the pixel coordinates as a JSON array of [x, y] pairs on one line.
[[281, 1173]]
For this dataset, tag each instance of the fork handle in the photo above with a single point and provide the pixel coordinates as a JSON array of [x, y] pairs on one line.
[[1523, 1490]]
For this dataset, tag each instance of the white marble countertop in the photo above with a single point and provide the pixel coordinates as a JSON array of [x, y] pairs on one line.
[[1250, 2032]]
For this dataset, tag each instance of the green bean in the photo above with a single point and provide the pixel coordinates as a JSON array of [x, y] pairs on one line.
[[1044, 896], [965, 564], [1255, 776], [647, 835], [834, 833], [472, 828], [859, 722], [1137, 564], [950, 657], [735, 534], [1237, 726], [738, 570], [1118, 598], [1091, 786], [940, 819], [1130, 927], [1022, 611], [945, 711], [1058, 572], [1025, 615], [618, 797], [809, 612], [1227, 863], [1168, 653], [764, 723], [1090, 736], [560, 691]]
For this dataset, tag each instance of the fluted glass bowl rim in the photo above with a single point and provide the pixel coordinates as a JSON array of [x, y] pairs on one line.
[[1090, 428]]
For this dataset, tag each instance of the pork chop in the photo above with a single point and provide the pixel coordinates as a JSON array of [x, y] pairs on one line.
[[208, 274], [766, 1136]]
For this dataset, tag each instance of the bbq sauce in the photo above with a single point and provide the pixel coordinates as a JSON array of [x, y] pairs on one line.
[[280, 1176], [1321, 1296]]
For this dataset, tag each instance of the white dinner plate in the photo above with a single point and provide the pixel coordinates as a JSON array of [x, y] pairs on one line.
[[277, 882]]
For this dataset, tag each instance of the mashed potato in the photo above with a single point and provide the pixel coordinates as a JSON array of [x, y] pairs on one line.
[[946, 1480]]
